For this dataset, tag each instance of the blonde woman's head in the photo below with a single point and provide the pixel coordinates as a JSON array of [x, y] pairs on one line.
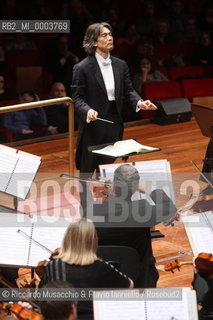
[[80, 243]]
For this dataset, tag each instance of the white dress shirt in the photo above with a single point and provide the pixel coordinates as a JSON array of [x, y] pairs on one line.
[[108, 76]]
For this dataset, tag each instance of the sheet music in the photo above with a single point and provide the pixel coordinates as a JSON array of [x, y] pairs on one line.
[[23, 176], [156, 173], [17, 170], [182, 307], [15, 247], [123, 147], [200, 233], [172, 309], [119, 310], [8, 161], [50, 237]]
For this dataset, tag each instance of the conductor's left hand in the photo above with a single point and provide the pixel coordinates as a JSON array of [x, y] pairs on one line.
[[146, 105]]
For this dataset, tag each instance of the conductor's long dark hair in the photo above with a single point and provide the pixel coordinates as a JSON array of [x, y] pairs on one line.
[[91, 35]]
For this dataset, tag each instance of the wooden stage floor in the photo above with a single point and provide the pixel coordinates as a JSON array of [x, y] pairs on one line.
[[179, 143]]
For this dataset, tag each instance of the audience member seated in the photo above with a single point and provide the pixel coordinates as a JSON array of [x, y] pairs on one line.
[[191, 33], [61, 309], [21, 42], [121, 221], [143, 48], [60, 61], [115, 20], [203, 53], [176, 17], [205, 18], [162, 32], [78, 263], [57, 115], [131, 36], [21, 122], [147, 73], [6, 93], [78, 12], [147, 21]]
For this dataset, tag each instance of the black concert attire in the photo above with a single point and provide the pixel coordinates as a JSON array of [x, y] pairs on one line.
[[99, 274], [127, 223]]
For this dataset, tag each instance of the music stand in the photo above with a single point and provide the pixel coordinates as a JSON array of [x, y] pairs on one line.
[[123, 157], [204, 118]]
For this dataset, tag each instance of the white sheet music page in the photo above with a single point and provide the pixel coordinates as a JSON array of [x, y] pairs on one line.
[[23, 175], [119, 310], [156, 173], [199, 229], [121, 148], [14, 248], [8, 161], [19, 250], [47, 237], [182, 308]]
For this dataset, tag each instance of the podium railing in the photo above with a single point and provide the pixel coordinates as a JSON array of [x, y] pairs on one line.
[[50, 102]]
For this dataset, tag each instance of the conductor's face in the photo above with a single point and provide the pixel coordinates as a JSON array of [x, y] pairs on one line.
[[104, 43]]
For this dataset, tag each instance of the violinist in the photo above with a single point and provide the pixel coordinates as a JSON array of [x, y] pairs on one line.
[[121, 221], [60, 309], [203, 284], [78, 263]]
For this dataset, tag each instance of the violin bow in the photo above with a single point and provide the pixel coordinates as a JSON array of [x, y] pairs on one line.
[[203, 175], [34, 241], [62, 175]]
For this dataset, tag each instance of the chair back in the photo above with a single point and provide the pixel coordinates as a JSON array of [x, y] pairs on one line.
[[155, 90], [125, 259]]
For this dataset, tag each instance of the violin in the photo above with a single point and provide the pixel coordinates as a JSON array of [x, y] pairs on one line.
[[30, 278], [101, 192], [21, 312], [101, 189], [204, 264], [173, 265]]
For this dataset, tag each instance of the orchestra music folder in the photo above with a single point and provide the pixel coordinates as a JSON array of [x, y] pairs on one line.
[[156, 173], [17, 171], [146, 306], [121, 148]]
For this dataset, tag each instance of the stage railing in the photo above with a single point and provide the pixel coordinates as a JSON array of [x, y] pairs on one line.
[[50, 102]]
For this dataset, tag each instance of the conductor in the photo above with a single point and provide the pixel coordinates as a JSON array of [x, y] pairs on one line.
[[99, 85]]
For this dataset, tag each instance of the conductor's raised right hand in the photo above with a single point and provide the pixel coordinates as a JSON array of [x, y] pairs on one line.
[[92, 115]]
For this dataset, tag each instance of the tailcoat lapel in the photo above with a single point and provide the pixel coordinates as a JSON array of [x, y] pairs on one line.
[[116, 73], [97, 72]]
